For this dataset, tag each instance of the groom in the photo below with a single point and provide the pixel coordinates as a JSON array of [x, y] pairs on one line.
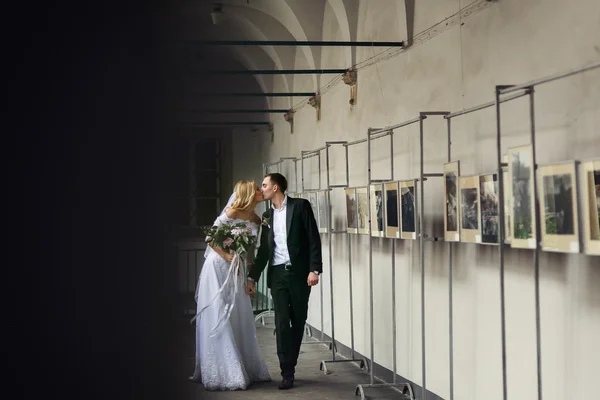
[[291, 245]]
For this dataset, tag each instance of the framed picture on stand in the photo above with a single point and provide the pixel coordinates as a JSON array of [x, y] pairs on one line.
[[558, 208], [362, 201], [323, 206], [351, 211], [470, 231], [591, 203], [488, 208], [507, 184], [520, 171], [312, 199], [392, 215], [376, 197], [451, 193], [408, 209]]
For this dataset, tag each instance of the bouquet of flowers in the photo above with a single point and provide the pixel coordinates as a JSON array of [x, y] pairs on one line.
[[231, 237]]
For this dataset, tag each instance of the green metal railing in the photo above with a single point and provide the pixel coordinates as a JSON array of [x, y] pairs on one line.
[[190, 263]]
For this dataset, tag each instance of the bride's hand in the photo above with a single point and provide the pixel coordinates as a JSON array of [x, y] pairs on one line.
[[228, 257]]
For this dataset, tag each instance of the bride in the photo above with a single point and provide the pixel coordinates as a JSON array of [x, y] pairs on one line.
[[227, 351]]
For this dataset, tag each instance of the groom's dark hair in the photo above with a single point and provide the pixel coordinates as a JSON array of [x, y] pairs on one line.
[[279, 180]]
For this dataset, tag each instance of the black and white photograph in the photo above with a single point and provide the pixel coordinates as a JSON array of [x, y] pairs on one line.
[[377, 210], [451, 200], [323, 210], [469, 208], [521, 176], [408, 213], [590, 171], [363, 210], [488, 203], [558, 213], [470, 231], [392, 229], [312, 198], [558, 208], [351, 211]]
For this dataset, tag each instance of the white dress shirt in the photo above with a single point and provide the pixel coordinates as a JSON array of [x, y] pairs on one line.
[[281, 254]]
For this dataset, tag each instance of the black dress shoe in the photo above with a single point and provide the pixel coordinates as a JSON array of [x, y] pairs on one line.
[[286, 383]]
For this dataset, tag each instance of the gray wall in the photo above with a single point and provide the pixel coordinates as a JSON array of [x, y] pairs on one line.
[[509, 42]]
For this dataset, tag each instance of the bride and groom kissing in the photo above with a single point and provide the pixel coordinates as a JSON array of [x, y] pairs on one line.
[[227, 350]]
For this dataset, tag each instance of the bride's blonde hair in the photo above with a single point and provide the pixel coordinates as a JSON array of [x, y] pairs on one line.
[[244, 195]]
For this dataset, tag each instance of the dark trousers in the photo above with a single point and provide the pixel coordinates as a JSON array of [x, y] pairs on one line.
[[290, 300]]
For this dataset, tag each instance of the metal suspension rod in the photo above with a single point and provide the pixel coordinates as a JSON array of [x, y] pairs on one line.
[[350, 263], [484, 105], [239, 111], [273, 71], [400, 125], [372, 341], [330, 251], [355, 142], [296, 43], [394, 350], [550, 78], [422, 263], [223, 123], [257, 94], [450, 282], [501, 241], [536, 254]]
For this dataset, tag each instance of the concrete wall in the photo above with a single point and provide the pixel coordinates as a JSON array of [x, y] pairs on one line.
[[509, 42]]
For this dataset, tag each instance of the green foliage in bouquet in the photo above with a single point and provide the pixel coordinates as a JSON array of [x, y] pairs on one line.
[[231, 237]]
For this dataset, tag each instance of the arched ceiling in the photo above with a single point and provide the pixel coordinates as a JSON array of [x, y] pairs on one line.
[[290, 20]]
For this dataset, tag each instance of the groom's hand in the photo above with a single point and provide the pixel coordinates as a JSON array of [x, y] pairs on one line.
[[250, 288], [313, 279]]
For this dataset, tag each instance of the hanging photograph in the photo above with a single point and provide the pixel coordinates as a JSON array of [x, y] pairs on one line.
[[488, 206], [351, 211], [520, 171], [312, 198], [363, 210], [558, 208], [377, 210], [392, 227], [323, 210], [507, 186], [408, 207], [591, 204], [469, 209], [451, 192]]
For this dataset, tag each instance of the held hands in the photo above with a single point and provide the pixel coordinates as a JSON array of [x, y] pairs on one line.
[[250, 288], [313, 279]]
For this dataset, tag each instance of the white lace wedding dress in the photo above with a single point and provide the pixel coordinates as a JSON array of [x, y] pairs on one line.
[[227, 351]]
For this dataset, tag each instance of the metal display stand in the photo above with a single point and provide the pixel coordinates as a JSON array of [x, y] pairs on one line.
[[451, 245], [503, 93], [506, 93], [373, 134], [331, 343], [362, 362], [518, 91]]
